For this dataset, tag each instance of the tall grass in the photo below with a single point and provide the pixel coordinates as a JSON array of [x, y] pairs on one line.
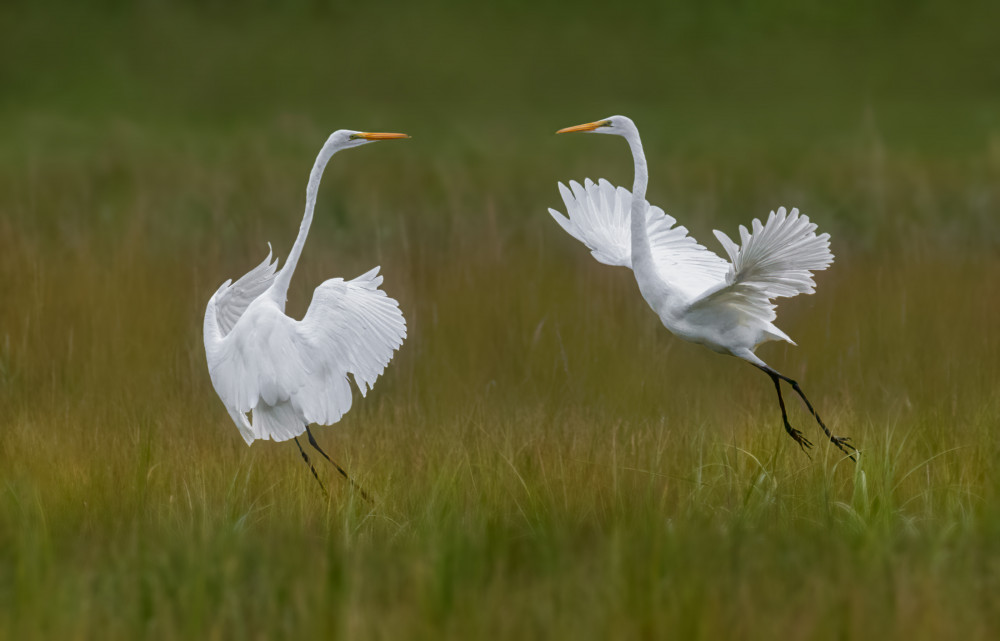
[[547, 460]]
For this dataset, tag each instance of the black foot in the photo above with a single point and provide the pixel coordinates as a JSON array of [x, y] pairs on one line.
[[843, 443], [797, 436]]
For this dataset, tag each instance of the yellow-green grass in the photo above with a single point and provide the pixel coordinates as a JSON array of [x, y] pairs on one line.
[[547, 461]]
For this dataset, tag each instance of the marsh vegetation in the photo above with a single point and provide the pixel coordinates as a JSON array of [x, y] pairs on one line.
[[548, 462]]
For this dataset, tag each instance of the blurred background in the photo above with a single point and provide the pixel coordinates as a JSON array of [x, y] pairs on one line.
[[849, 95], [151, 150]]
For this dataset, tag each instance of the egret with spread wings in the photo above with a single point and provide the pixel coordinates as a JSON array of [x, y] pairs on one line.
[[726, 306], [275, 374]]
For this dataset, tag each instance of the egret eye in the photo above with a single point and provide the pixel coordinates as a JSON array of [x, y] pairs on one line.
[[261, 359], [726, 306]]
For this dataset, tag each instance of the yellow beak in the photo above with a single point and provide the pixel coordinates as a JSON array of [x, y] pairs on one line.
[[380, 136], [590, 126]]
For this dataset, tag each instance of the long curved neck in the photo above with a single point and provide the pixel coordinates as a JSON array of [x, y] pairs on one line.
[[284, 277], [661, 295], [642, 254]]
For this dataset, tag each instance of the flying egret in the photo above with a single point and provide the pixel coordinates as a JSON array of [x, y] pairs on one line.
[[724, 305], [275, 374]]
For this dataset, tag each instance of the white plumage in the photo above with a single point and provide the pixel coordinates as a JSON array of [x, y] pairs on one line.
[[776, 260], [699, 296], [288, 373], [600, 218], [274, 374]]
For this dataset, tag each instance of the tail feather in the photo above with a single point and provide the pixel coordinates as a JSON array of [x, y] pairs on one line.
[[279, 422]]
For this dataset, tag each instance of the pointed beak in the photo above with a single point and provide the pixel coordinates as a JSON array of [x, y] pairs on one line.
[[380, 136], [590, 126]]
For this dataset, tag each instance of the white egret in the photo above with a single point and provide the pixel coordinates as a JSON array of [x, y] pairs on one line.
[[724, 305], [275, 374]]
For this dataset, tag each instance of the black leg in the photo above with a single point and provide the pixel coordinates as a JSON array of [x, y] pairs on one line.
[[312, 441], [305, 457], [842, 443], [796, 435]]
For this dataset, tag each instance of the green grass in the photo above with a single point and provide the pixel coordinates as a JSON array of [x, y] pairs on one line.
[[548, 461]]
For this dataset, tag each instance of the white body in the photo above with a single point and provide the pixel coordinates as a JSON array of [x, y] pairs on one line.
[[725, 305], [275, 374]]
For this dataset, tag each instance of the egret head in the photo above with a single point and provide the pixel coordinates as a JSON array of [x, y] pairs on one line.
[[345, 138], [617, 125]]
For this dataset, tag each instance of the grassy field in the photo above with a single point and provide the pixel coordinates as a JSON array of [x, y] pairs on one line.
[[548, 461]]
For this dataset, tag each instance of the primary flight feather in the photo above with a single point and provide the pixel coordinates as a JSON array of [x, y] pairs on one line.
[[726, 306], [275, 374]]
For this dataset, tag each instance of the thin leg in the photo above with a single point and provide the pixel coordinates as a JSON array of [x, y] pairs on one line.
[[842, 443], [796, 435], [312, 441], [305, 457]]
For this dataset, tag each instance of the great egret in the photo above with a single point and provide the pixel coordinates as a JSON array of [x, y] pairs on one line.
[[700, 297], [275, 374]]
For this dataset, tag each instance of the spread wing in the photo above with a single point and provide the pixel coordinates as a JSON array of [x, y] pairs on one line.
[[353, 328], [775, 260], [599, 216], [290, 373], [232, 300]]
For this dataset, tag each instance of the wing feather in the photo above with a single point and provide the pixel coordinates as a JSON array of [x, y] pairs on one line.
[[232, 300], [353, 328], [288, 373], [776, 259], [599, 216]]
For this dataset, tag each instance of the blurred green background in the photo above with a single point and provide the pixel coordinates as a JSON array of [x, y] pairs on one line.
[[829, 100], [549, 462]]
